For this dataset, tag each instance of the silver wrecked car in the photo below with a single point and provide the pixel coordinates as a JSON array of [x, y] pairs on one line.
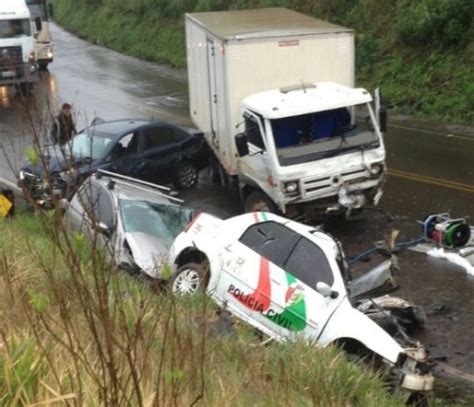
[[135, 220]]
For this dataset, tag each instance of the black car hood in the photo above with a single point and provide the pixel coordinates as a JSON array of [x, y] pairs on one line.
[[55, 160]]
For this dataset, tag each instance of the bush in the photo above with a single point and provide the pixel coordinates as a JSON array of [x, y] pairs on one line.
[[437, 22]]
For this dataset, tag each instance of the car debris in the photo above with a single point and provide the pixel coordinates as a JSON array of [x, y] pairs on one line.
[[135, 220], [378, 279], [287, 279]]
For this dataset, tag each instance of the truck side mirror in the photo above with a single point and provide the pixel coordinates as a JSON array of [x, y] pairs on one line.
[[383, 119], [241, 141], [50, 10], [38, 24]]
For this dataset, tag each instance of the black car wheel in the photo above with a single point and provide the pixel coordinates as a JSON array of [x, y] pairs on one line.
[[259, 202], [186, 175]]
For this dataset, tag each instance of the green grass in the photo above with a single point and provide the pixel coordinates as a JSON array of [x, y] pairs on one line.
[[51, 341]]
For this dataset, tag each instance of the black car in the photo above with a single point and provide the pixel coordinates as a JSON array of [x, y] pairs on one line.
[[152, 151]]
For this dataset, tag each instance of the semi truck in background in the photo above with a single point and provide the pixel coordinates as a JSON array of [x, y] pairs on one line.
[[44, 45], [18, 65], [273, 92]]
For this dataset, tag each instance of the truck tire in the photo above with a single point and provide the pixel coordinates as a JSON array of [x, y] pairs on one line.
[[186, 175], [43, 66], [258, 201]]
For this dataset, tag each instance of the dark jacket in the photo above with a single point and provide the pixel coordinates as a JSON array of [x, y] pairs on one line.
[[63, 129]]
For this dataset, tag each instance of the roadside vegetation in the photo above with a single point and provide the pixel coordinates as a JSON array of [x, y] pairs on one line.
[[75, 331], [421, 53]]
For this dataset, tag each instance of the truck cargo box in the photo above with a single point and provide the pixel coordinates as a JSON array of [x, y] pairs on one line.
[[232, 55]]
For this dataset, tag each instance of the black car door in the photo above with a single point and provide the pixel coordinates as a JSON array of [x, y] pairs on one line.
[[161, 152], [125, 156]]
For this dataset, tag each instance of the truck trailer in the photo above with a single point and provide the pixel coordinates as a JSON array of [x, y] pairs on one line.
[[18, 65], [273, 92], [44, 45]]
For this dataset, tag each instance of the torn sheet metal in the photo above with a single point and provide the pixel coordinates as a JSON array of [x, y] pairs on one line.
[[376, 279]]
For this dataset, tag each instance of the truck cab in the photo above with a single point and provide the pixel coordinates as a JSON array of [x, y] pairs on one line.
[[17, 46], [303, 149]]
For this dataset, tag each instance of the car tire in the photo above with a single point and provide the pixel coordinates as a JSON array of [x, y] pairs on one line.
[[189, 279], [186, 175], [258, 201]]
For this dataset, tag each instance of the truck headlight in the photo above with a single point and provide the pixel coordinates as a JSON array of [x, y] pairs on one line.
[[49, 53], [291, 187], [376, 169], [31, 57]]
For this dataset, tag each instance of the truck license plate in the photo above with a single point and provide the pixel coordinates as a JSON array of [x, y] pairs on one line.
[[8, 74]]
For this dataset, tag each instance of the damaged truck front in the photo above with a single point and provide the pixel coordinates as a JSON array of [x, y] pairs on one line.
[[273, 92]]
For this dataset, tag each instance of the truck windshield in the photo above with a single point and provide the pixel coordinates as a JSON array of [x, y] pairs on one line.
[[309, 137], [15, 28]]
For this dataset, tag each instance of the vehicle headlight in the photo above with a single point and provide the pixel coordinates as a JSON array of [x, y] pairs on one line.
[[376, 169], [21, 175], [31, 57], [67, 173], [291, 187]]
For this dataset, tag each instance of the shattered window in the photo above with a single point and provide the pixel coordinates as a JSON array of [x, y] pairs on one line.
[[160, 220], [290, 251]]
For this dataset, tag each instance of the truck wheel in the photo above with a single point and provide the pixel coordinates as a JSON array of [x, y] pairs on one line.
[[258, 201], [189, 279], [43, 66], [186, 175]]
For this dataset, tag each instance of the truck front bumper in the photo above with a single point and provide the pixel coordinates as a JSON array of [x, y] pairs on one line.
[[25, 73], [339, 197]]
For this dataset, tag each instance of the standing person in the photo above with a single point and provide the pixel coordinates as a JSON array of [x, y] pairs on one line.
[[63, 126]]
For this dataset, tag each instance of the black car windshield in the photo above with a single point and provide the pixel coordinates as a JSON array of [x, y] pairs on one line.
[[163, 221], [91, 145], [15, 28], [310, 137]]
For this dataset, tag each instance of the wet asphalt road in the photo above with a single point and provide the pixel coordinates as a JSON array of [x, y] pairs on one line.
[[431, 170]]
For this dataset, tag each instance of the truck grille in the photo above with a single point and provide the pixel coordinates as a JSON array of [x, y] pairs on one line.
[[11, 62], [327, 184]]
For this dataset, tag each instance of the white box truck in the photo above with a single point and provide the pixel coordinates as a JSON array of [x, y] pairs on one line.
[[17, 46], [273, 92]]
